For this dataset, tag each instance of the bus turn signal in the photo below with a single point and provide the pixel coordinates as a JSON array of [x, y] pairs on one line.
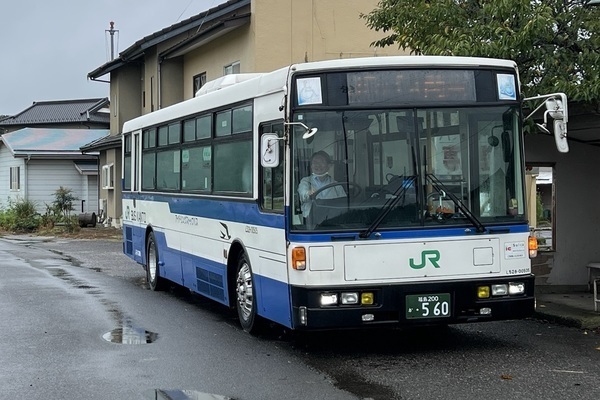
[[299, 258], [533, 246]]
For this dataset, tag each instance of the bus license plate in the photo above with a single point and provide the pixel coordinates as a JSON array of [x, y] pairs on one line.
[[427, 305]]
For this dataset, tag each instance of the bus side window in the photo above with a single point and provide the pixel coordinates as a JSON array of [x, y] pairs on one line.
[[271, 193]]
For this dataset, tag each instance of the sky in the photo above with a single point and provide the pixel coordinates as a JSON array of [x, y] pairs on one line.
[[49, 46]]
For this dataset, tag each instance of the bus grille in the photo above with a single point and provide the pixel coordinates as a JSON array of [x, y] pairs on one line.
[[128, 240], [210, 283]]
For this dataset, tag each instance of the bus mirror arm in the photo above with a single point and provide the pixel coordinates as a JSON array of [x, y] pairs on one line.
[[310, 132], [556, 107]]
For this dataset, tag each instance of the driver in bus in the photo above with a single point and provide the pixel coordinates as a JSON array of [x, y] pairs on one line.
[[319, 178]]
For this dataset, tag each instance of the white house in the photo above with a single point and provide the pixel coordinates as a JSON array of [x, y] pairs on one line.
[[35, 162]]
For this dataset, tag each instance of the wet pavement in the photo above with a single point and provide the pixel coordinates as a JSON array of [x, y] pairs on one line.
[[570, 307], [78, 323], [567, 307]]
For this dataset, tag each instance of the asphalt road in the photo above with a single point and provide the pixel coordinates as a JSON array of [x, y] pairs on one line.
[[59, 307], [62, 301]]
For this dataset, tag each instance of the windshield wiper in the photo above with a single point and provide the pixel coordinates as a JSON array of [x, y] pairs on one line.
[[388, 206], [440, 187]]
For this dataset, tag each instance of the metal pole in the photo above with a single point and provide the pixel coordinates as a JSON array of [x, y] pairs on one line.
[[111, 32]]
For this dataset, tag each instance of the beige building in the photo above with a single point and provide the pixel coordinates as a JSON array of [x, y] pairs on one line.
[[238, 36]]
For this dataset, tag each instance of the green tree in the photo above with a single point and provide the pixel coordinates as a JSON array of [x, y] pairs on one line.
[[555, 43], [64, 202]]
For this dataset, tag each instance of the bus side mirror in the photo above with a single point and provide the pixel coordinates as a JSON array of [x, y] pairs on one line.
[[560, 136], [269, 150], [556, 108]]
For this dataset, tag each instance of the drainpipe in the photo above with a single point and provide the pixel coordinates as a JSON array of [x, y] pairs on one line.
[[25, 180], [159, 83]]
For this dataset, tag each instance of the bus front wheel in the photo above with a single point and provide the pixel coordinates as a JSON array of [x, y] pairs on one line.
[[152, 269], [245, 295]]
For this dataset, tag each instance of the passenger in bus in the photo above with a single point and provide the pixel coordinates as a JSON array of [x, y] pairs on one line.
[[320, 163]]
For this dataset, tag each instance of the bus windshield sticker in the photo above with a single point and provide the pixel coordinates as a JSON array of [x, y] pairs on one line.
[[309, 91], [506, 87], [206, 154]]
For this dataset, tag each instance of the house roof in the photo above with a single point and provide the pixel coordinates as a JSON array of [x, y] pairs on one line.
[[104, 143], [61, 111], [86, 167], [50, 143], [205, 20]]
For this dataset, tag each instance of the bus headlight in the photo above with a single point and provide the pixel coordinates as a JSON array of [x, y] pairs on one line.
[[500, 290], [516, 287], [350, 298], [329, 299]]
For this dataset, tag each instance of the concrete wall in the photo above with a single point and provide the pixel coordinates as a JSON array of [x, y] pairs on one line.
[[292, 31], [125, 96], [577, 216], [171, 81], [215, 55]]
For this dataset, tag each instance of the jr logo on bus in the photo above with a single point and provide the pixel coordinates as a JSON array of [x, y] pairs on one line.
[[433, 256]]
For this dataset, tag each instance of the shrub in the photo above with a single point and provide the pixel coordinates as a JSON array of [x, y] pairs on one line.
[[20, 216]]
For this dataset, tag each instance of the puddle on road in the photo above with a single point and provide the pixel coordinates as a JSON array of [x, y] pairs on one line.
[[130, 335], [126, 333], [171, 394]]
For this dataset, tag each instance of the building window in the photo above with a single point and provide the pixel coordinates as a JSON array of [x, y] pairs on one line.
[[233, 68], [199, 81], [15, 178], [542, 205], [108, 176]]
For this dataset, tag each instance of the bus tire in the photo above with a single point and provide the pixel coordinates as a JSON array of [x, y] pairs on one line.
[[245, 295], [155, 282]]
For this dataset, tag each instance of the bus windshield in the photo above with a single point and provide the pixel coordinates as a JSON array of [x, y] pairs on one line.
[[407, 168]]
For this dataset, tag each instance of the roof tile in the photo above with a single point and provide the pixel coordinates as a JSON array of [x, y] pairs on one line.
[[61, 111]]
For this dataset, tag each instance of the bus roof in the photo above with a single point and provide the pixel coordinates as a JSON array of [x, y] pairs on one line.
[[264, 84], [406, 61]]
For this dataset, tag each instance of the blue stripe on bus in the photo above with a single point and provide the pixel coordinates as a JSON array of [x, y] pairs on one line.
[[209, 278], [242, 211], [274, 300], [405, 234]]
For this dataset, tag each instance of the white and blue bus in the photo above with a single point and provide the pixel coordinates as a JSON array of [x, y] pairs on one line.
[[417, 214]]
